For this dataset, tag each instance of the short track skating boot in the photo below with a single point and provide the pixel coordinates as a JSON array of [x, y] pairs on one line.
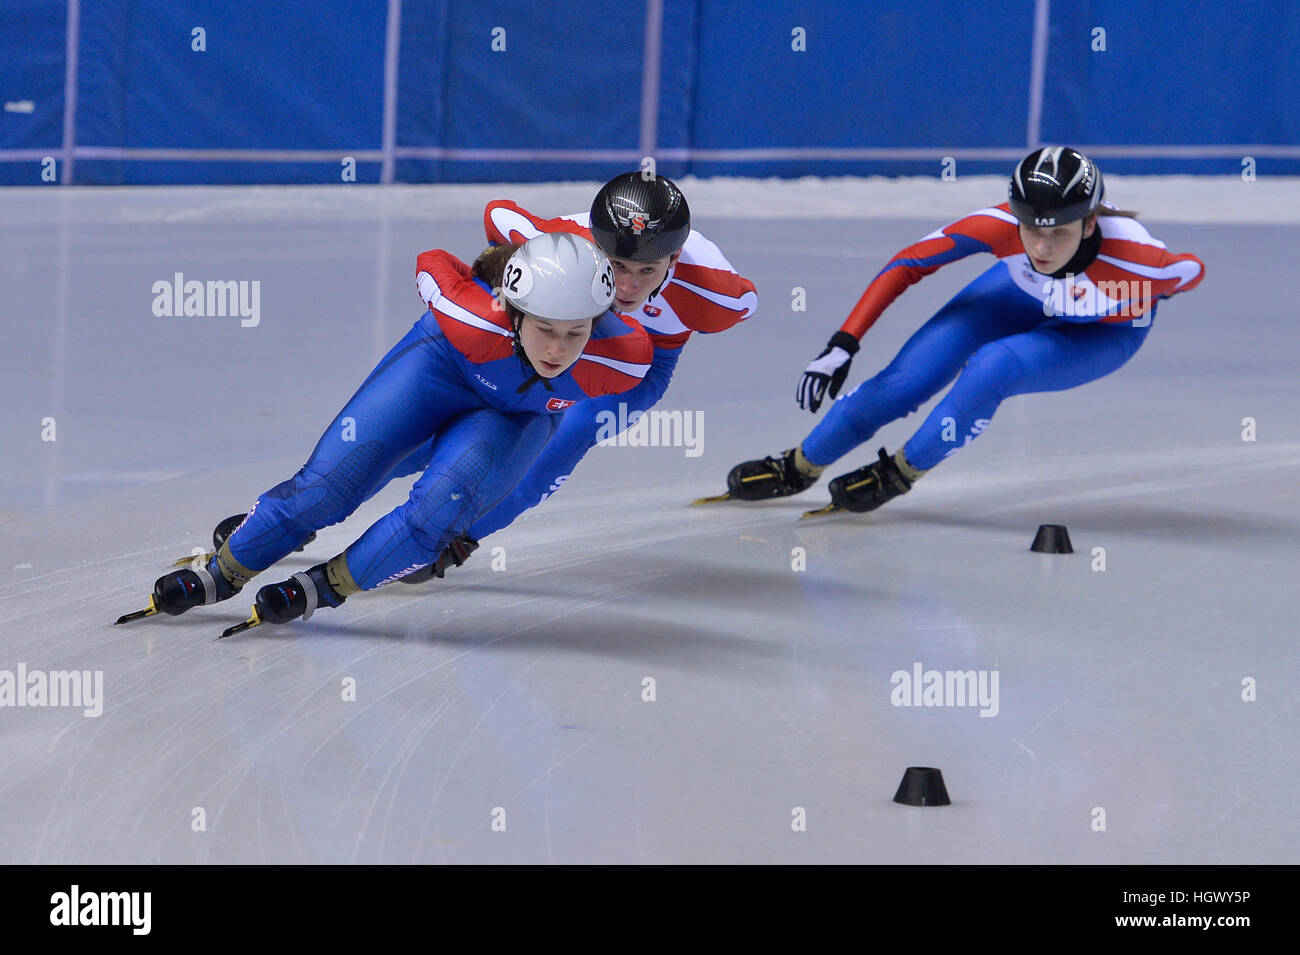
[[453, 555], [769, 477], [288, 600], [182, 590], [868, 487], [225, 529]]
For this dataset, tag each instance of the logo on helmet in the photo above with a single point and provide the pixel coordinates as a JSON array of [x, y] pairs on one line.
[[638, 223], [1040, 220], [1089, 180]]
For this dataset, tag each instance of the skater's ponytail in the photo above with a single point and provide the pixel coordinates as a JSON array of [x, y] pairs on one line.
[[490, 266], [1108, 210]]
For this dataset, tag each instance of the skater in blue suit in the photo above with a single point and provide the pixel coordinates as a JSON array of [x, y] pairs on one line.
[[672, 279], [480, 381], [1071, 299]]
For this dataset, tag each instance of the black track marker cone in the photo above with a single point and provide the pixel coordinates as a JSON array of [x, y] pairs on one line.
[[1052, 539], [922, 786]]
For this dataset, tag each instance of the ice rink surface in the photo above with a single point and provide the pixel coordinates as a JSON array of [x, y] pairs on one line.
[[500, 714]]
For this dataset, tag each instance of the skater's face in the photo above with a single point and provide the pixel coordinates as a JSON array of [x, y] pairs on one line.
[[553, 346], [634, 281], [1050, 247]]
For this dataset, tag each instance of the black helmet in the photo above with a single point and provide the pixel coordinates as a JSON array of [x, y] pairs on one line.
[[641, 219], [1055, 185]]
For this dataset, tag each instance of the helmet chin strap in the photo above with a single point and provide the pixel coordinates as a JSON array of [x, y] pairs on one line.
[[517, 324], [1083, 256], [535, 376], [667, 275]]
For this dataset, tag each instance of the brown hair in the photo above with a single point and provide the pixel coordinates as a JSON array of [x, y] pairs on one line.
[[1108, 211], [490, 266]]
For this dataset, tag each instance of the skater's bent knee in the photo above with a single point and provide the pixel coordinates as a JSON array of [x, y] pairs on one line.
[[899, 388], [995, 361], [318, 496], [450, 499]]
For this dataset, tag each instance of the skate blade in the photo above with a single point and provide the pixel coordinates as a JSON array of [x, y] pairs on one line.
[[148, 611], [821, 511], [711, 500], [254, 621]]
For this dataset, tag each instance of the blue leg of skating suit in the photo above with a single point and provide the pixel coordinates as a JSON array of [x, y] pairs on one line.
[[1055, 356], [997, 339], [476, 459], [411, 394], [575, 436]]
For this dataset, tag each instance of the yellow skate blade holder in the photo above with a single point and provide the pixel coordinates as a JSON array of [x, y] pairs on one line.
[[148, 611], [711, 500], [254, 621], [821, 512]]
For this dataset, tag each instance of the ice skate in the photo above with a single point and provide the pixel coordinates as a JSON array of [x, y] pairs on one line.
[[288, 600], [767, 478], [868, 487], [182, 590]]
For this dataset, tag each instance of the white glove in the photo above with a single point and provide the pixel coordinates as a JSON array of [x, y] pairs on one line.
[[827, 371]]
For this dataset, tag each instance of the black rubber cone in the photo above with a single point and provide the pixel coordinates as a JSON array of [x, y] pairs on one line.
[[922, 786], [1052, 539]]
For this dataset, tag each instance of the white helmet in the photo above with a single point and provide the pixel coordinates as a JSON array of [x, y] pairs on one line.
[[559, 276]]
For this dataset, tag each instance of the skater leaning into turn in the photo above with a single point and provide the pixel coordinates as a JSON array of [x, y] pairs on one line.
[[479, 383], [672, 279], [1071, 298]]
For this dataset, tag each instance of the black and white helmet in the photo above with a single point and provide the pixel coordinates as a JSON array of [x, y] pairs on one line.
[[639, 218], [1055, 185], [559, 276]]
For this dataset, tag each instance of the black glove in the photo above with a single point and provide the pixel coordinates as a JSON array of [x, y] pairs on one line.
[[457, 552], [831, 367]]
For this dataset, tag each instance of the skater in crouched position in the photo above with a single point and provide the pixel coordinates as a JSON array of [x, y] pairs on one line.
[[672, 279], [473, 392], [1071, 299]]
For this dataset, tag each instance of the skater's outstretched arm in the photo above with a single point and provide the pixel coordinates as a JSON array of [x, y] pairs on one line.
[[988, 230]]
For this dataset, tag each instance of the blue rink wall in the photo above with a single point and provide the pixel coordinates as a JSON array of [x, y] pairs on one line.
[[187, 91]]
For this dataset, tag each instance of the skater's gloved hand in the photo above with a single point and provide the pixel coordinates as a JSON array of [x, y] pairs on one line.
[[830, 368]]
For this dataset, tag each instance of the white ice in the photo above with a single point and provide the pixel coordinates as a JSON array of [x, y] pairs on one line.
[[515, 695]]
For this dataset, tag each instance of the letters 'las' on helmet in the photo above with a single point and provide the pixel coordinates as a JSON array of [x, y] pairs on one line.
[[559, 276], [1055, 185], [640, 217]]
